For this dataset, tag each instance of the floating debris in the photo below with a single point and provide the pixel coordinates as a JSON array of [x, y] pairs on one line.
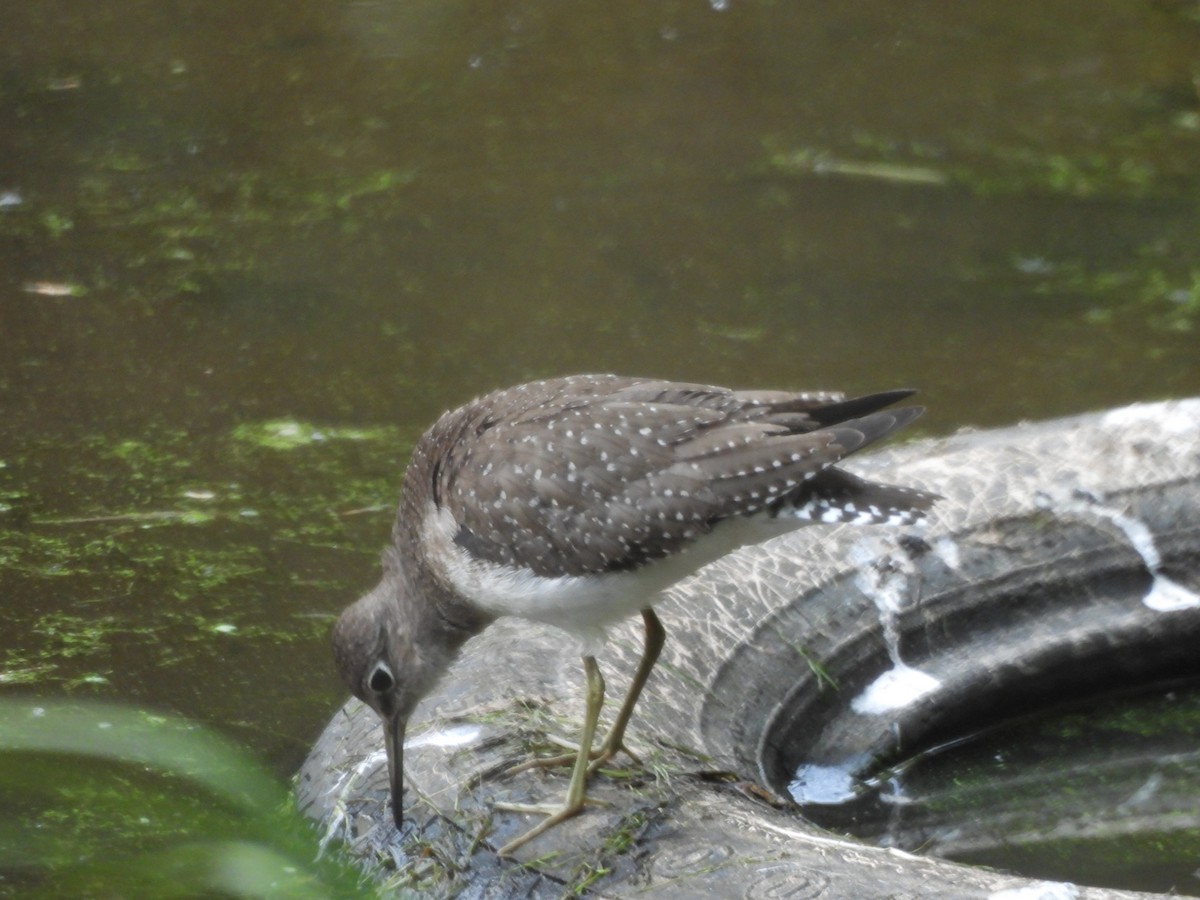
[[66, 83], [161, 515], [880, 170], [288, 434], [54, 288], [820, 163]]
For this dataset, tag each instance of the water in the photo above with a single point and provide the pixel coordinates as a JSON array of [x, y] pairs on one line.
[[1101, 792], [248, 252]]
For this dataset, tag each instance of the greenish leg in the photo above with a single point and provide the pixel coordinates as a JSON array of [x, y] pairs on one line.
[[614, 741], [577, 790]]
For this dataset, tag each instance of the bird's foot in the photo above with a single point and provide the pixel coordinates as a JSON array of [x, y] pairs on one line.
[[598, 758], [554, 815], [609, 749]]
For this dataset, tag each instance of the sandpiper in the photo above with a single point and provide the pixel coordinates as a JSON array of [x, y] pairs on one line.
[[575, 502]]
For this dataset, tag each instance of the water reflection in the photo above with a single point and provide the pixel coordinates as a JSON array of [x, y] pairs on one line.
[[1103, 793]]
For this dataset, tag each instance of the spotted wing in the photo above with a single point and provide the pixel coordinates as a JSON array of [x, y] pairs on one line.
[[600, 474]]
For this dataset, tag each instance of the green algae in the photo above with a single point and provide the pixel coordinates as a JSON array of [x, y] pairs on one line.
[[1150, 161], [183, 236], [1156, 285], [160, 547], [288, 434], [1167, 301]]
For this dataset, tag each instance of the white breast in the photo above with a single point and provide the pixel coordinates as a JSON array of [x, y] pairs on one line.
[[582, 604]]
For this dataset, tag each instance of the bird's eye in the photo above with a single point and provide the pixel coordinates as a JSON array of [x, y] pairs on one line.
[[381, 680]]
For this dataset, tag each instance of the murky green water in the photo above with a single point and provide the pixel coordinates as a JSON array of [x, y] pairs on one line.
[[249, 251], [1098, 792]]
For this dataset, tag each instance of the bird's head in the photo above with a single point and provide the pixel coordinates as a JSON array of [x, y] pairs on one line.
[[389, 660]]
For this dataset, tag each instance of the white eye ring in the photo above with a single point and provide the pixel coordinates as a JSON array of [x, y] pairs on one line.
[[381, 680]]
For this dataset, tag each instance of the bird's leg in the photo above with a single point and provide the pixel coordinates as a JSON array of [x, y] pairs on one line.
[[577, 790], [614, 741]]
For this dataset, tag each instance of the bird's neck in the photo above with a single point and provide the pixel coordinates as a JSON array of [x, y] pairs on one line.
[[427, 594], [427, 599]]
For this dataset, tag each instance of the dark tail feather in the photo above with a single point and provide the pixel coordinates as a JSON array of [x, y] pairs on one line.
[[856, 407], [857, 433]]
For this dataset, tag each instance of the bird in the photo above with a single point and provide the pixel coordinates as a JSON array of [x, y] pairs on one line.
[[576, 502]]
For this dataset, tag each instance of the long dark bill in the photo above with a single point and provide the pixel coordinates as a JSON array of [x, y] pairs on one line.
[[393, 741]]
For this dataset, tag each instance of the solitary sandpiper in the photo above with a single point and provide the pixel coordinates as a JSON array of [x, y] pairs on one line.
[[575, 502]]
